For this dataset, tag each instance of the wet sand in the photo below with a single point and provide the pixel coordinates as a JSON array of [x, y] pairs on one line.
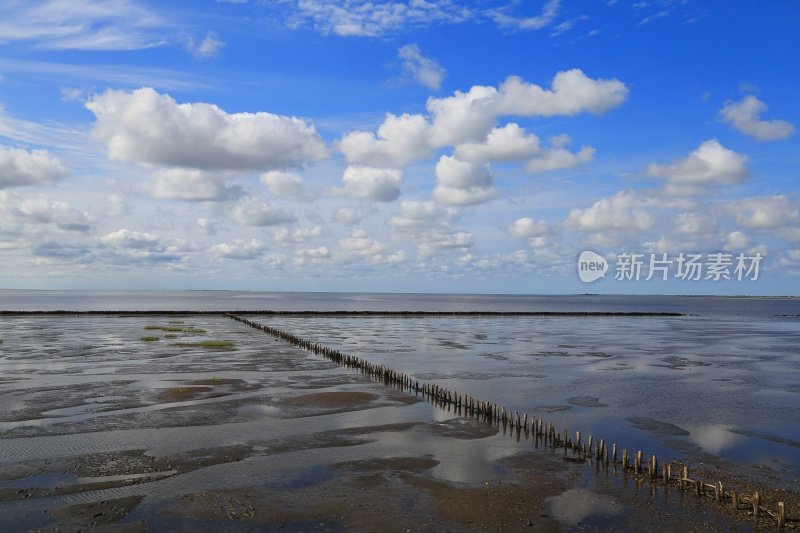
[[101, 429]]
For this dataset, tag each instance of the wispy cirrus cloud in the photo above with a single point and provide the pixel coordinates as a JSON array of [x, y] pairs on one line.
[[506, 20], [362, 18], [105, 74], [82, 24]]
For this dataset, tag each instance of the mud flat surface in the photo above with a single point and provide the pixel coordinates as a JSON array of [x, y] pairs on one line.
[[720, 390], [214, 425]]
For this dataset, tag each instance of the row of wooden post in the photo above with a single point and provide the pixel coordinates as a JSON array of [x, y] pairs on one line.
[[595, 451]]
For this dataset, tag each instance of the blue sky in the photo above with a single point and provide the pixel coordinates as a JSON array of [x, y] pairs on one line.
[[397, 146]]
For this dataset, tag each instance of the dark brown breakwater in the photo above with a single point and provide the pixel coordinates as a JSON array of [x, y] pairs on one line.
[[597, 451]]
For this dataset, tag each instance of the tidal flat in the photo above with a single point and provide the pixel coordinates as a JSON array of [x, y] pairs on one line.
[[218, 425]]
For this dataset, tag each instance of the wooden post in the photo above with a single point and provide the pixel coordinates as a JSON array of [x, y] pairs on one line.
[[734, 499], [756, 499], [781, 514], [720, 493], [614, 448], [684, 475], [638, 462]]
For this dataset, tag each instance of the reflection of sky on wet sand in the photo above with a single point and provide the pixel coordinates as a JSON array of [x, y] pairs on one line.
[[577, 505], [713, 438], [667, 369]]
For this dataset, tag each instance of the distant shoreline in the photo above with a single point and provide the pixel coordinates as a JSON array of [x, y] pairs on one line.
[[358, 313]]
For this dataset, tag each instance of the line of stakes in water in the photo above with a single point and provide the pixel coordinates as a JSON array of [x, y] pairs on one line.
[[596, 451]]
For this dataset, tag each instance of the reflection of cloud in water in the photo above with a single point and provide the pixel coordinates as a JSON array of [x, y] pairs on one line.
[[713, 438], [575, 505]]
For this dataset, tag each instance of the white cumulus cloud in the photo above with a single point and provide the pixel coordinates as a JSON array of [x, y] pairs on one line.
[[463, 117], [509, 143], [187, 184], [764, 212], [370, 183], [462, 183], [348, 216], [571, 92], [466, 120], [282, 183], [61, 214], [744, 116], [20, 167], [400, 140], [512, 143], [559, 158], [124, 238], [254, 212], [625, 210], [239, 249], [360, 243], [146, 127], [709, 164], [526, 227]]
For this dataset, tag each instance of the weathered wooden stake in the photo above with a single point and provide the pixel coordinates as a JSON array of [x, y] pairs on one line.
[[734, 499], [756, 500], [781, 514]]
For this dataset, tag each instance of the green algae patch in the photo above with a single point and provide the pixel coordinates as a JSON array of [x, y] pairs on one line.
[[214, 345]]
